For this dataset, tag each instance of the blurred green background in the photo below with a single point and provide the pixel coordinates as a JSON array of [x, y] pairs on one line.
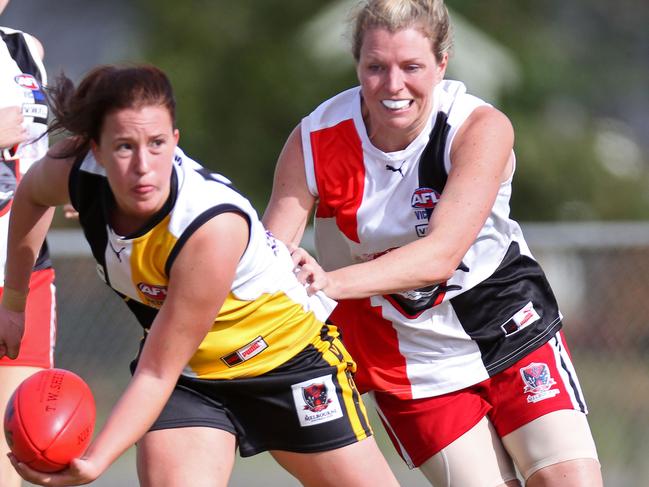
[[572, 76]]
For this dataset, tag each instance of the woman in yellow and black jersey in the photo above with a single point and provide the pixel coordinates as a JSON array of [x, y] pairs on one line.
[[235, 353]]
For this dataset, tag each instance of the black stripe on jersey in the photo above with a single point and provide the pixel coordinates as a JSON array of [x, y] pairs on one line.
[[432, 173], [197, 223], [20, 52], [86, 195], [484, 310]]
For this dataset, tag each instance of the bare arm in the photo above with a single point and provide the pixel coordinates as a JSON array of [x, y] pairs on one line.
[[291, 202], [183, 321], [44, 186], [481, 155], [37, 45]]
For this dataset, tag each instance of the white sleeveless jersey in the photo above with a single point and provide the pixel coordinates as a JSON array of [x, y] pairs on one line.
[[21, 79], [267, 317], [497, 306]]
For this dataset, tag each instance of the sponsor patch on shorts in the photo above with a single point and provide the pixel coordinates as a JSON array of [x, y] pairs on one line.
[[538, 382], [246, 352], [316, 401], [522, 319]]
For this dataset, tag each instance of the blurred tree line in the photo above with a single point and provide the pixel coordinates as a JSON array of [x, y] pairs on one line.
[[244, 76]]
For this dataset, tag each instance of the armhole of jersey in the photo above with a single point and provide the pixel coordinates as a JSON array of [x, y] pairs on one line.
[[33, 50], [456, 119], [198, 222], [73, 181], [309, 166]]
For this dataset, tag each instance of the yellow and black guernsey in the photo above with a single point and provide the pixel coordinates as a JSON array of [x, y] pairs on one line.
[[266, 319]]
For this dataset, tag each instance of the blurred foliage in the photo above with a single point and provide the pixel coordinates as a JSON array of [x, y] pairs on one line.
[[580, 110], [244, 78]]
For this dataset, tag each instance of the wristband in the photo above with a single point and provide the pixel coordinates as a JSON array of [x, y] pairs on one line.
[[14, 300]]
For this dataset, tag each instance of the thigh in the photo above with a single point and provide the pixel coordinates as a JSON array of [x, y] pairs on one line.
[[475, 459], [178, 457], [558, 437], [420, 428], [360, 464], [541, 383], [37, 345]]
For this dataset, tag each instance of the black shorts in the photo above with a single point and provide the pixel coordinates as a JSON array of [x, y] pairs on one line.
[[308, 404]]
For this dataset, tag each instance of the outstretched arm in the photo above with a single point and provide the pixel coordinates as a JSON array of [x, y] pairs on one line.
[[481, 157], [291, 202], [44, 186], [199, 282]]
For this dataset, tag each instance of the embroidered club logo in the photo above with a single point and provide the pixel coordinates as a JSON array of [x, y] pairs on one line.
[[538, 382], [316, 397], [316, 401]]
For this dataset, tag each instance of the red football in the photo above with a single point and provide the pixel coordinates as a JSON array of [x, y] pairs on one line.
[[50, 419]]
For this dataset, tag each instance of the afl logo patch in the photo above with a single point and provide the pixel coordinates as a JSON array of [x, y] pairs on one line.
[[155, 295], [27, 81], [424, 198]]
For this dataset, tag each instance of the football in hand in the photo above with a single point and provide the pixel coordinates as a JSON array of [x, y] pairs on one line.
[[49, 420]]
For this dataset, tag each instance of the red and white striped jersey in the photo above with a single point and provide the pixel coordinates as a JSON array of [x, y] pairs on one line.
[[22, 77], [496, 308]]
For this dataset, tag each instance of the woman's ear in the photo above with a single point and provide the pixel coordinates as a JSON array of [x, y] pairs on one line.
[[442, 65]]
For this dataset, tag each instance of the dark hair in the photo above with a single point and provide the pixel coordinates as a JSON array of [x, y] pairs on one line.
[[81, 111]]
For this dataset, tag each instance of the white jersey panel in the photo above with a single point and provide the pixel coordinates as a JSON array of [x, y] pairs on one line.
[[438, 330], [24, 90]]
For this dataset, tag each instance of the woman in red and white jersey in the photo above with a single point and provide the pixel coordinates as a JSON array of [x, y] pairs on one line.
[[451, 319], [23, 119]]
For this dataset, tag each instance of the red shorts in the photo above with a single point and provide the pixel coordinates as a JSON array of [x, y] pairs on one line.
[[37, 346], [543, 382]]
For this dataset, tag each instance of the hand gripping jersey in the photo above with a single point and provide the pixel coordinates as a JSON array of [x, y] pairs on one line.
[[495, 309], [267, 317], [22, 76]]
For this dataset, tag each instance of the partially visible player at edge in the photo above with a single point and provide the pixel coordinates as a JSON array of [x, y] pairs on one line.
[[453, 324], [235, 352], [23, 119]]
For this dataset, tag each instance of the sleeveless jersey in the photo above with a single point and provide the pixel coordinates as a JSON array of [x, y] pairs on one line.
[[266, 319], [496, 308], [22, 76]]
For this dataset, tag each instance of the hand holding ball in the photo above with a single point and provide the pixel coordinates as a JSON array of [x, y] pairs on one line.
[[50, 419]]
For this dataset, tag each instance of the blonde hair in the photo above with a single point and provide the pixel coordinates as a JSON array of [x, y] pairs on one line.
[[430, 17]]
